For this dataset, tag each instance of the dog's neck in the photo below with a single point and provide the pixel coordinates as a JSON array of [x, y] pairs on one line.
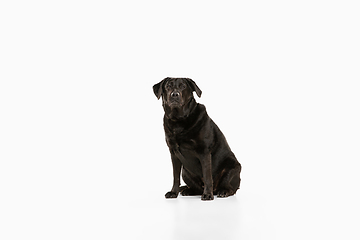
[[177, 127]]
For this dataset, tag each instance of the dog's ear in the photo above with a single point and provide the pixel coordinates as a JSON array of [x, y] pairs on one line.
[[194, 87], [158, 88]]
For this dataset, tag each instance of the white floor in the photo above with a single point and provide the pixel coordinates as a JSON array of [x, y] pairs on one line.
[[190, 218], [88, 209], [244, 216]]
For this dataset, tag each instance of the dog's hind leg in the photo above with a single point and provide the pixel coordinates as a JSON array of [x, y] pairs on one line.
[[194, 184], [230, 180]]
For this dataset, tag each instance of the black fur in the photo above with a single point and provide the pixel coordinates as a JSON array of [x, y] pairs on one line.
[[198, 148]]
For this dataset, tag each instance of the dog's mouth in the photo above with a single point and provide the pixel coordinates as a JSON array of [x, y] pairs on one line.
[[174, 103]]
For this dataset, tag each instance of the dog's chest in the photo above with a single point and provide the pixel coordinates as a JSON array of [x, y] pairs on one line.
[[184, 150], [180, 144], [184, 144]]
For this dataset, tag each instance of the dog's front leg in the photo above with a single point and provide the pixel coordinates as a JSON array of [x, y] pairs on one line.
[[176, 173], [207, 176]]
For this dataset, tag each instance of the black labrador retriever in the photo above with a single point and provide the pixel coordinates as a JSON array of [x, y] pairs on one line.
[[198, 148]]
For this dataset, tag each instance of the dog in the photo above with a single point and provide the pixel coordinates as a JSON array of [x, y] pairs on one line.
[[197, 146]]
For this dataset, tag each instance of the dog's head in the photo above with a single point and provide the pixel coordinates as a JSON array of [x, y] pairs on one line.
[[177, 96]]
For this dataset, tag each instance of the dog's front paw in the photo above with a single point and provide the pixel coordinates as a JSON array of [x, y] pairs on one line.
[[171, 195], [207, 196]]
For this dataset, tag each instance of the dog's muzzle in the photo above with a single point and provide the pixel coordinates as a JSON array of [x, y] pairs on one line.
[[175, 95]]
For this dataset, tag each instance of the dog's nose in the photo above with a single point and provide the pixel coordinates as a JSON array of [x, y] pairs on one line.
[[175, 94]]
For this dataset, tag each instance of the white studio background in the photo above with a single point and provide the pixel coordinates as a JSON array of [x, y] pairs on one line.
[[83, 154]]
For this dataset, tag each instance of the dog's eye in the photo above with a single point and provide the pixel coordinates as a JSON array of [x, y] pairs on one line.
[[169, 85], [182, 86]]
